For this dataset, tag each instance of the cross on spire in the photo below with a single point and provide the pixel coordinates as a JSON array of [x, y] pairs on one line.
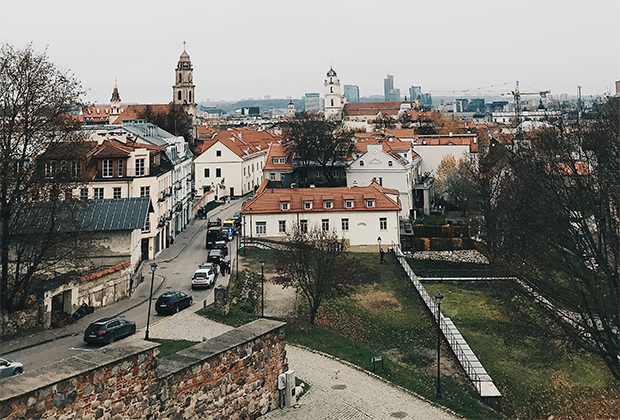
[[183, 45]]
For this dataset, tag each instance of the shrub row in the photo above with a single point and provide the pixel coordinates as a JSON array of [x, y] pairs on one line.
[[445, 231], [442, 244]]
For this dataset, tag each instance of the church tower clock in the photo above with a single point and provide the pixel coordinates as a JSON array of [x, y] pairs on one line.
[[333, 101]]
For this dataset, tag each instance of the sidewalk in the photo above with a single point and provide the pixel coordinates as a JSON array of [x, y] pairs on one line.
[[139, 296]]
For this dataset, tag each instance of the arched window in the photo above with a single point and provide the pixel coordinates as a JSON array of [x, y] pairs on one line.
[[332, 102], [189, 77], [331, 89], [180, 79], [190, 96], [179, 95], [361, 163]]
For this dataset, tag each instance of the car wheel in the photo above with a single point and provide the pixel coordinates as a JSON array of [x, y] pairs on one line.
[[111, 339], [17, 371], [176, 310], [133, 330], [191, 302]]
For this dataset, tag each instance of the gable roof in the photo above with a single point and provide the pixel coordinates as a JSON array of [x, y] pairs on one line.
[[116, 214], [267, 201], [277, 150], [133, 112]]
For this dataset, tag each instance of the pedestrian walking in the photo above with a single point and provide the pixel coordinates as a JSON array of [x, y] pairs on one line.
[[382, 253], [228, 266], [223, 267]]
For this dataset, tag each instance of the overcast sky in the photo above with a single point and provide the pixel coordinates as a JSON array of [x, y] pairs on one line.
[[242, 48]]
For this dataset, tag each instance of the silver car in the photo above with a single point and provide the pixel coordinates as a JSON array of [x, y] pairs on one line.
[[10, 368]]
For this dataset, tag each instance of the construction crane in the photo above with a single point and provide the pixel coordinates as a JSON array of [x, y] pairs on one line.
[[517, 95]]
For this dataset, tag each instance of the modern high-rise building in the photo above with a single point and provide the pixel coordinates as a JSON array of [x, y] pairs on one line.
[[312, 101], [415, 92], [393, 96], [388, 86], [426, 101], [352, 93]]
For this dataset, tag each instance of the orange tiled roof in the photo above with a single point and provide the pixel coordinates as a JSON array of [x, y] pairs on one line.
[[133, 112], [267, 201], [443, 140], [277, 150]]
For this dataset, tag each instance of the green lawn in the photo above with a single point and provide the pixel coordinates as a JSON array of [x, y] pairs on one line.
[[539, 372]]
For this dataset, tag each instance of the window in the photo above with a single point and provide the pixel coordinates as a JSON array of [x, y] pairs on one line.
[[282, 226], [303, 226], [278, 160], [389, 163], [218, 172], [325, 224], [348, 204], [328, 204], [83, 193], [361, 163], [107, 168], [383, 223], [76, 168], [145, 191], [98, 193], [147, 223], [218, 153], [140, 167], [285, 205], [206, 172], [179, 94], [50, 168], [261, 228], [380, 181], [345, 224], [272, 177], [370, 202], [307, 205], [116, 193], [120, 169]]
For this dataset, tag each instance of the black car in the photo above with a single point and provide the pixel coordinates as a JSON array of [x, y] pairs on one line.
[[221, 245], [237, 219], [171, 302], [214, 222], [108, 330], [215, 256]]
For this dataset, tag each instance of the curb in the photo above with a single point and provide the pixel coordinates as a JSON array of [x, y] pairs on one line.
[[58, 337]]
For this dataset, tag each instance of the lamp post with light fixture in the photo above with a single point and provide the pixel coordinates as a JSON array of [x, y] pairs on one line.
[[262, 287], [438, 298], [148, 317]]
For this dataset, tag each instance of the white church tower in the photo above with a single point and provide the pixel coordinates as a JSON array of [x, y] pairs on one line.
[[183, 89], [333, 101]]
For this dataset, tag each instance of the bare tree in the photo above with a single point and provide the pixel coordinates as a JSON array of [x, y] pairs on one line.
[[455, 181], [317, 142], [315, 262], [37, 172], [174, 120], [555, 220]]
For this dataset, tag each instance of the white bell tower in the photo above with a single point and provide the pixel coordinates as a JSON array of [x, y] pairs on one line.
[[333, 101]]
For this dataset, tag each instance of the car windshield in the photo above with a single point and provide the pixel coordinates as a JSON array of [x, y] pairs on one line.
[[200, 274]]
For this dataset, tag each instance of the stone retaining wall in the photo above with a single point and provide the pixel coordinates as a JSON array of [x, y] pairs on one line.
[[35, 317], [230, 376]]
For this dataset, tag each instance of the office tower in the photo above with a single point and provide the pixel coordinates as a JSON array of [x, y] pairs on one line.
[[312, 101], [415, 92], [388, 86], [352, 93]]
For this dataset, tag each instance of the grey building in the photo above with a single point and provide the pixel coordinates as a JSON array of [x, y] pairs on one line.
[[388, 86], [312, 102], [415, 92], [352, 93]]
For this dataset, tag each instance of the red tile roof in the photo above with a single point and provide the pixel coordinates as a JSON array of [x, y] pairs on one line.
[[277, 150], [267, 201]]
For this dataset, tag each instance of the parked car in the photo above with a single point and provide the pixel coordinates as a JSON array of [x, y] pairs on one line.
[[215, 256], [171, 302], [108, 330], [214, 234], [221, 245], [214, 222], [204, 276], [10, 368]]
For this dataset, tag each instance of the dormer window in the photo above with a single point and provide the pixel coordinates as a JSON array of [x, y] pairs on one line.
[[307, 205], [285, 205], [278, 160], [328, 204], [370, 202], [348, 204]]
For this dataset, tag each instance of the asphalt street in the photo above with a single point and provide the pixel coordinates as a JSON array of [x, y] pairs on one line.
[[175, 266]]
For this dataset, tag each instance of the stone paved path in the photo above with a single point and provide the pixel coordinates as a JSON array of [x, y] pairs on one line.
[[353, 395]]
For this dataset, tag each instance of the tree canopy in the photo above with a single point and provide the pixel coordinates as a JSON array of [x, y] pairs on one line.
[[315, 261], [551, 212], [39, 164]]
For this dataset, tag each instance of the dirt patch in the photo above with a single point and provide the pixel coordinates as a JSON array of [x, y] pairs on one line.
[[377, 300]]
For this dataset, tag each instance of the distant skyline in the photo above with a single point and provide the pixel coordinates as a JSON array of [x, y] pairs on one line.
[[242, 48]]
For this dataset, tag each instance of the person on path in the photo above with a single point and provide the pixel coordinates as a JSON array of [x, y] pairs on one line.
[[382, 253], [223, 267]]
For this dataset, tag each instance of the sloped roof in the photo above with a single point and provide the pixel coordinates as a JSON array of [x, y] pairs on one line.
[[470, 140], [116, 214], [267, 201], [277, 150], [133, 112]]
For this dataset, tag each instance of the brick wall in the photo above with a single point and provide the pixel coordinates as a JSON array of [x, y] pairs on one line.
[[230, 376]]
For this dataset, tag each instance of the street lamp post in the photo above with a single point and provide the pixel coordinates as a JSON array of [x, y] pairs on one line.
[[148, 317], [438, 298], [379, 240], [237, 254], [245, 234], [262, 287]]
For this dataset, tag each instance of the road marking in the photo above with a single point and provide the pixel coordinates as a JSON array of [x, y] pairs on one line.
[[157, 323], [80, 349]]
